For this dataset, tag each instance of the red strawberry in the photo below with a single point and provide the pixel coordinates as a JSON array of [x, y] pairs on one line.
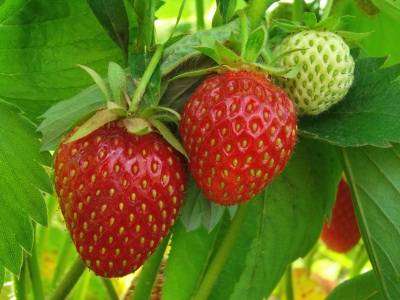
[[342, 233], [239, 130], [119, 194]]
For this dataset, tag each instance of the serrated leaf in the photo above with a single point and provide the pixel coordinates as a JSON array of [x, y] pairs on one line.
[[184, 270], [42, 48], [369, 113], [362, 287], [63, 116], [22, 180], [168, 136], [198, 211], [113, 17], [99, 81], [374, 176], [99, 119], [255, 43], [283, 228], [117, 82]]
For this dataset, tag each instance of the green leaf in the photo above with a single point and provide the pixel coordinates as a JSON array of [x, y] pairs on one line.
[[369, 113], [112, 16], [117, 82], [284, 228], [198, 211], [63, 116], [168, 136], [374, 176], [99, 119], [390, 7], [210, 52], [385, 35], [183, 50], [187, 261], [22, 180], [362, 287], [41, 44], [310, 19], [255, 43], [226, 9]]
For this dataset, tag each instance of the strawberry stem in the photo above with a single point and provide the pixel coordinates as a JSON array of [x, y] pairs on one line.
[[20, 283], [141, 88], [69, 280], [34, 272], [149, 272], [62, 259], [221, 255], [298, 10], [327, 9], [289, 283], [200, 14], [256, 11], [112, 293]]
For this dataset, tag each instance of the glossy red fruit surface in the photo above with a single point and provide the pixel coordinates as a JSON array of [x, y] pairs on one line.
[[239, 130], [342, 233], [119, 195]]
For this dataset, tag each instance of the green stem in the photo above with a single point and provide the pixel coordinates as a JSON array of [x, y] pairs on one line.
[[289, 283], [200, 14], [221, 255], [112, 293], [149, 273], [69, 280], [20, 283], [34, 273], [327, 9], [244, 32], [359, 262], [256, 11], [298, 10], [81, 288], [141, 88], [62, 260], [43, 232]]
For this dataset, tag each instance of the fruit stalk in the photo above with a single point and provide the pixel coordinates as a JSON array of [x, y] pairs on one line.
[[222, 255], [256, 11], [289, 283], [20, 283], [141, 88], [69, 280], [62, 260], [200, 14], [112, 293], [34, 273], [298, 9], [149, 272], [327, 10]]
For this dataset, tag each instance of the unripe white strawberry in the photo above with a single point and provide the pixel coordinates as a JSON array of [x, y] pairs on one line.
[[326, 70]]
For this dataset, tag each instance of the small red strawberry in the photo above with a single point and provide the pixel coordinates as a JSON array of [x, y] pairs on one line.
[[119, 193], [341, 234], [239, 130]]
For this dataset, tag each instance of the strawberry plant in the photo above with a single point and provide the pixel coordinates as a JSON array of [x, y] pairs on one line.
[[204, 149]]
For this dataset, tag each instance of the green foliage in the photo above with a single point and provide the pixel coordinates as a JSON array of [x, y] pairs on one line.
[[42, 41], [374, 177], [362, 287], [113, 17], [187, 261], [1, 277], [22, 179], [369, 113]]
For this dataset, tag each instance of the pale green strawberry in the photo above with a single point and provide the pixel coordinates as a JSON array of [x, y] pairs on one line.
[[326, 70]]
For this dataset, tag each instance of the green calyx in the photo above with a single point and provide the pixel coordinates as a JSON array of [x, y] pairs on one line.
[[125, 109], [248, 51], [332, 24]]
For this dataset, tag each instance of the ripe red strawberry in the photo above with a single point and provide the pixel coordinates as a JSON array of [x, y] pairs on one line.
[[239, 130], [119, 194], [342, 233]]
